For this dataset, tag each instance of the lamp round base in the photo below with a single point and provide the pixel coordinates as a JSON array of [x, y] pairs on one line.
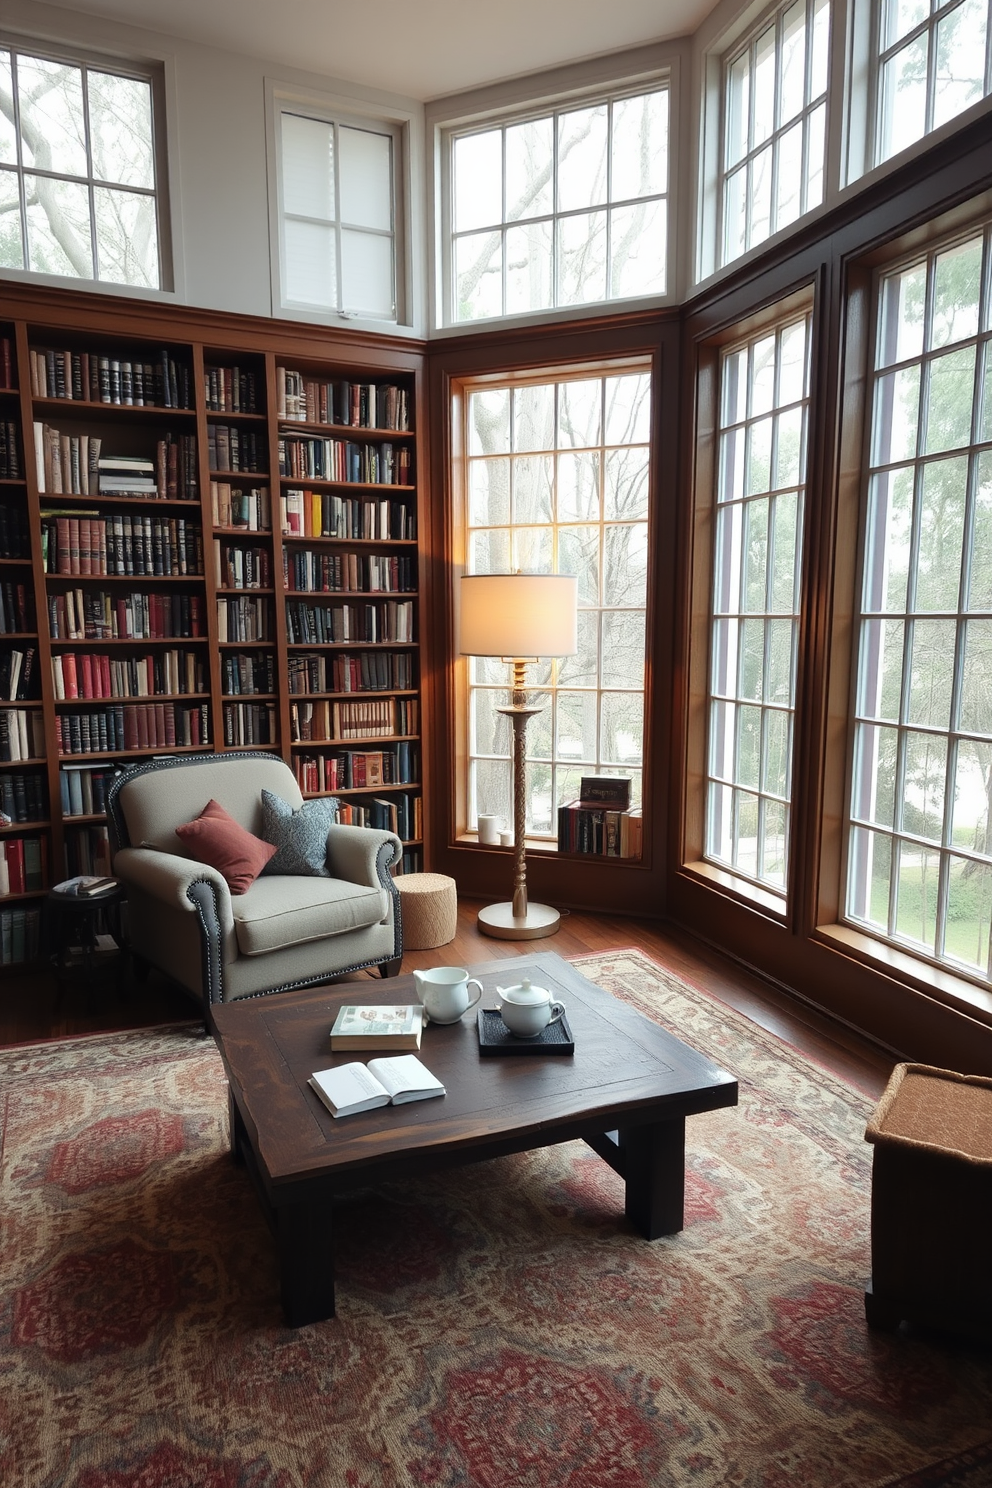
[[499, 921]]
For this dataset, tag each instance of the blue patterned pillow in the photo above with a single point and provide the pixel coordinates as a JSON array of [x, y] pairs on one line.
[[299, 836]]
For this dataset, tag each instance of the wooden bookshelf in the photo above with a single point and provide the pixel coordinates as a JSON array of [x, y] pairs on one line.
[[158, 608]]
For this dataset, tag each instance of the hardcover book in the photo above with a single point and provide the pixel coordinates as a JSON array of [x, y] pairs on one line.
[[359, 1027]]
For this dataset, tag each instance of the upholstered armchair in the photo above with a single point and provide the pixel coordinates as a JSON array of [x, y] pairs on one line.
[[286, 930]]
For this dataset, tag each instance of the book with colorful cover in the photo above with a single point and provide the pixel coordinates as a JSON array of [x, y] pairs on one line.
[[374, 1027]]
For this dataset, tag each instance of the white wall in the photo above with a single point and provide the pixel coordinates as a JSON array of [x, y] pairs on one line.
[[215, 103]]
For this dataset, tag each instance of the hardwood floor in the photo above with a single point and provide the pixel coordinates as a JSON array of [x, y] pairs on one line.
[[34, 1006]]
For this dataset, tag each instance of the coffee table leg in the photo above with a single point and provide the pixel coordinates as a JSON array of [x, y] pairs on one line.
[[654, 1175], [304, 1239]]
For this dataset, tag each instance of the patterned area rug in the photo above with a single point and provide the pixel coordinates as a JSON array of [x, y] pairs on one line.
[[498, 1327]]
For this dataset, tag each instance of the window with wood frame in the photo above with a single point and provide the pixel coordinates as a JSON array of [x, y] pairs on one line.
[[919, 858], [555, 474], [757, 524]]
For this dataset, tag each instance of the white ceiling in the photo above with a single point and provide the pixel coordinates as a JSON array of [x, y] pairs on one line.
[[421, 48]]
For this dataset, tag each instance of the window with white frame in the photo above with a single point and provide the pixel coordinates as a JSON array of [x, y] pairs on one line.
[[78, 169], [565, 207], [919, 871], [754, 624], [337, 198], [556, 481], [934, 61], [774, 126]]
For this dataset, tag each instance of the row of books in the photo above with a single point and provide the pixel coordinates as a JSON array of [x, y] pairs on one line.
[[370, 671], [362, 405], [83, 789], [250, 723], [23, 864], [18, 682], [87, 851], [77, 615], [15, 540], [132, 726], [234, 506], [90, 377], [361, 518], [598, 830], [23, 795], [244, 673], [20, 936], [89, 675], [373, 718], [230, 390], [22, 734], [11, 466], [357, 769], [73, 465], [323, 573], [237, 566], [125, 544], [244, 618], [16, 607], [232, 448], [6, 362], [383, 620], [401, 814], [344, 461]]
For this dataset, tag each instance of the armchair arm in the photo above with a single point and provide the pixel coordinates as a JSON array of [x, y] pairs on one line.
[[363, 855], [167, 876]]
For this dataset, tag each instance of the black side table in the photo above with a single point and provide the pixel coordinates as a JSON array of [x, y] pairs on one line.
[[69, 919]]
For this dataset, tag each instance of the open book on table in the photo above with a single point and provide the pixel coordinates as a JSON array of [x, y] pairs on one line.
[[361, 1087]]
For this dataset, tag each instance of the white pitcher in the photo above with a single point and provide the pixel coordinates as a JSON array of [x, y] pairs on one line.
[[444, 992]]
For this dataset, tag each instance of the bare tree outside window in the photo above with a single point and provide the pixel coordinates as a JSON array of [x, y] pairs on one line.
[[77, 171], [557, 482], [570, 208]]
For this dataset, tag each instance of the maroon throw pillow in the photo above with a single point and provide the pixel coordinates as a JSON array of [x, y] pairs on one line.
[[216, 838]]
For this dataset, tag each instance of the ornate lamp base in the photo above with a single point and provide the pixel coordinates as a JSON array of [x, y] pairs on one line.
[[499, 921]]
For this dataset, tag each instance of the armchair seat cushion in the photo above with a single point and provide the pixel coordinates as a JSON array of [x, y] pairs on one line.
[[287, 911]]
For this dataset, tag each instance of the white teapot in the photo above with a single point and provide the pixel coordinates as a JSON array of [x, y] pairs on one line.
[[443, 991], [527, 1010]]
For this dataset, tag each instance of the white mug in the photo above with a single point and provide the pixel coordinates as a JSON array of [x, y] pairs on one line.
[[489, 830], [443, 991], [527, 1010]]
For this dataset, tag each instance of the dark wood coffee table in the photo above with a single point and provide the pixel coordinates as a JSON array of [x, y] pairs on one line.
[[626, 1090]]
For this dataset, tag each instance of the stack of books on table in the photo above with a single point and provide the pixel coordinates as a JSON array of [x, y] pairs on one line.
[[601, 822]]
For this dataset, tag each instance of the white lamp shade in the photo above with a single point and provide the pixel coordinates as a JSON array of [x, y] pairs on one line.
[[518, 615]]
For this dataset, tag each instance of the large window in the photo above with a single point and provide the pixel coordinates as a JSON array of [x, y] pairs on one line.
[[78, 170], [757, 553], [933, 61], [556, 481], [920, 849], [566, 208], [337, 218], [774, 128]]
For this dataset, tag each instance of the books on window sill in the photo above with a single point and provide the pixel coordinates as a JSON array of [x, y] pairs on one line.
[[361, 1027], [585, 827], [350, 1088]]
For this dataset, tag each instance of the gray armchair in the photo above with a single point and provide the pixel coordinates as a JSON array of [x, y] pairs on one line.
[[286, 931]]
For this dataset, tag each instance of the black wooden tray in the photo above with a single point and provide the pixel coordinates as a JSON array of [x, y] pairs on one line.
[[496, 1038]]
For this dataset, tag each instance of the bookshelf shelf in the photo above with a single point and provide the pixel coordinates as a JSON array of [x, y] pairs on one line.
[[12, 828]]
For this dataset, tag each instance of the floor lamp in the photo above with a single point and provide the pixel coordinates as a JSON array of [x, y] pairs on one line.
[[519, 618]]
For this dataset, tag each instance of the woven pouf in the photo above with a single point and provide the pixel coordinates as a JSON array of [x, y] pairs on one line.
[[429, 903]]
